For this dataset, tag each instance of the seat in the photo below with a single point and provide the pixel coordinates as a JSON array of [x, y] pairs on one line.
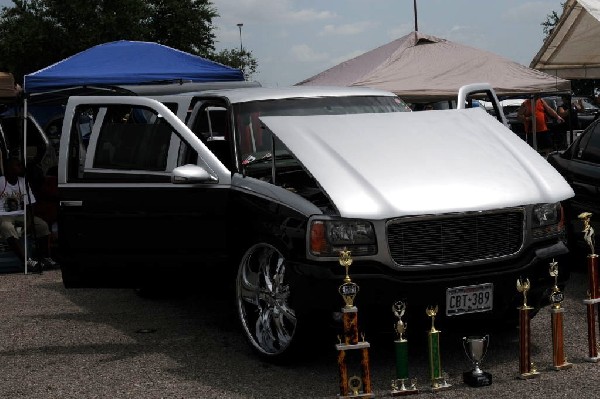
[[222, 150]]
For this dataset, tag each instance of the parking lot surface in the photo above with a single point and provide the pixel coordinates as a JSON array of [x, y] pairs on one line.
[[57, 343]]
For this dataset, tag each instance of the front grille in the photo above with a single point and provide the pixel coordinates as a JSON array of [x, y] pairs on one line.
[[455, 238]]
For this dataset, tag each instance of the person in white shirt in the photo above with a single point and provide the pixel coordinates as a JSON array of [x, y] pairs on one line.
[[14, 201]]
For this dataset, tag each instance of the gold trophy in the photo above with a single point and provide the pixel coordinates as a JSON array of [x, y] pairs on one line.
[[399, 387], [594, 289], [526, 367], [438, 380], [559, 361], [354, 386]]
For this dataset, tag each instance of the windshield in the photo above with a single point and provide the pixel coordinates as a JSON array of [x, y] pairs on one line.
[[256, 143]]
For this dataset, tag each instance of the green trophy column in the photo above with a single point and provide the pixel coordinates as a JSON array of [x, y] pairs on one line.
[[399, 384], [401, 359], [435, 363]]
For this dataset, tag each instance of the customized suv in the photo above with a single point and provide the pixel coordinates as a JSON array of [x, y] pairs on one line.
[[276, 182]]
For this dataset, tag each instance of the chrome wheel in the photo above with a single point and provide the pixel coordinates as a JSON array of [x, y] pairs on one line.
[[262, 300]]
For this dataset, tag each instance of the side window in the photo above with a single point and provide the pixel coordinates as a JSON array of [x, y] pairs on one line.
[[211, 125], [591, 152], [132, 138], [81, 129], [580, 146], [253, 138]]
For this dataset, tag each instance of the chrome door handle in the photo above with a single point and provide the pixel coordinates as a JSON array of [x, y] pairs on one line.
[[71, 203]]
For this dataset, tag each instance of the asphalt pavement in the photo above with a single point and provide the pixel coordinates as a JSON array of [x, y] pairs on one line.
[[111, 343]]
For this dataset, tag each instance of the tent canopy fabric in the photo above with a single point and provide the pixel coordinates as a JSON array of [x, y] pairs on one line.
[[8, 90], [128, 62], [420, 68], [572, 51]]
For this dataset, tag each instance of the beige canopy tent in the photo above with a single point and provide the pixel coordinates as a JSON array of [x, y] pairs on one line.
[[424, 68], [8, 90], [572, 51]]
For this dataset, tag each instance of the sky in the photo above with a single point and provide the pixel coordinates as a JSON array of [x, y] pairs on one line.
[[295, 39]]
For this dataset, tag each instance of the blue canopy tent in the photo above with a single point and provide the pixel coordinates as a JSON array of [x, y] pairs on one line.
[[125, 63], [112, 65]]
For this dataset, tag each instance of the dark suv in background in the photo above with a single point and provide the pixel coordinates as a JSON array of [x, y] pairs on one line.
[[580, 166]]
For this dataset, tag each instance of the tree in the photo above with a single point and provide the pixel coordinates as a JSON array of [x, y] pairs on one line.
[[550, 23], [38, 33], [238, 59]]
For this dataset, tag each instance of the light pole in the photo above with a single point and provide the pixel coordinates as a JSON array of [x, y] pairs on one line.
[[241, 46]]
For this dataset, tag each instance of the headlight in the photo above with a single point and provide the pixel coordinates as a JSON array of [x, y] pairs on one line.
[[547, 220], [329, 237]]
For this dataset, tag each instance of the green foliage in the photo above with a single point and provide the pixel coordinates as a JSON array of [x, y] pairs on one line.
[[238, 59], [550, 23], [37, 33]]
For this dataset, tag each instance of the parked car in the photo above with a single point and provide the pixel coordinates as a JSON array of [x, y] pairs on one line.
[[589, 113], [580, 166], [442, 207]]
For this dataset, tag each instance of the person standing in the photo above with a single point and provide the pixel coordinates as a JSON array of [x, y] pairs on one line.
[[569, 111], [14, 200], [543, 137]]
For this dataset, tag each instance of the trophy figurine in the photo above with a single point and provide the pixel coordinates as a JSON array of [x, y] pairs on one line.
[[475, 348], [438, 381], [559, 361], [594, 288], [355, 386], [526, 367], [399, 387]]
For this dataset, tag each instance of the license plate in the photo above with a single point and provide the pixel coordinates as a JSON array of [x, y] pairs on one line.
[[469, 299]]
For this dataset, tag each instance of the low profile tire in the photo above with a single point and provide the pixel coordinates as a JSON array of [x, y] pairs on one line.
[[263, 306]]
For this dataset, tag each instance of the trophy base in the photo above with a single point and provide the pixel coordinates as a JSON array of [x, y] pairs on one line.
[[591, 301], [404, 392], [477, 381], [358, 395], [563, 366], [528, 376], [440, 386], [593, 359]]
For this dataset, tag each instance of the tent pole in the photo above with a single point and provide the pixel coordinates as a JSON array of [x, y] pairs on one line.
[[24, 154], [533, 122], [416, 20]]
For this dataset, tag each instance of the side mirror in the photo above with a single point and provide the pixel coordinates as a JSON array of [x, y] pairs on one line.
[[188, 174]]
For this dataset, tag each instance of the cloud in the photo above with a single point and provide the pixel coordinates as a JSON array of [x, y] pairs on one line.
[[400, 31], [466, 35], [530, 12], [271, 11], [308, 15], [347, 29], [304, 53]]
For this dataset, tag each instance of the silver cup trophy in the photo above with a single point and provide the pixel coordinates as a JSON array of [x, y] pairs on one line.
[[476, 348]]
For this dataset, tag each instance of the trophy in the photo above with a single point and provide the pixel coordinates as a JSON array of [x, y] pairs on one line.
[[438, 381], [594, 289], [559, 361], [399, 387], [526, 367], [475, 348], [354, 386]]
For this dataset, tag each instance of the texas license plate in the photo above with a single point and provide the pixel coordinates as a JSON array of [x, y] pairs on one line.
[[469, 299]]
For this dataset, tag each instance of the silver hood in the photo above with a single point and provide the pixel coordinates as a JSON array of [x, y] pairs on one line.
[[379, 166]]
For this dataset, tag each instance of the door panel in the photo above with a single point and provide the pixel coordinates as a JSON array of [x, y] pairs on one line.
[[121, 217]]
